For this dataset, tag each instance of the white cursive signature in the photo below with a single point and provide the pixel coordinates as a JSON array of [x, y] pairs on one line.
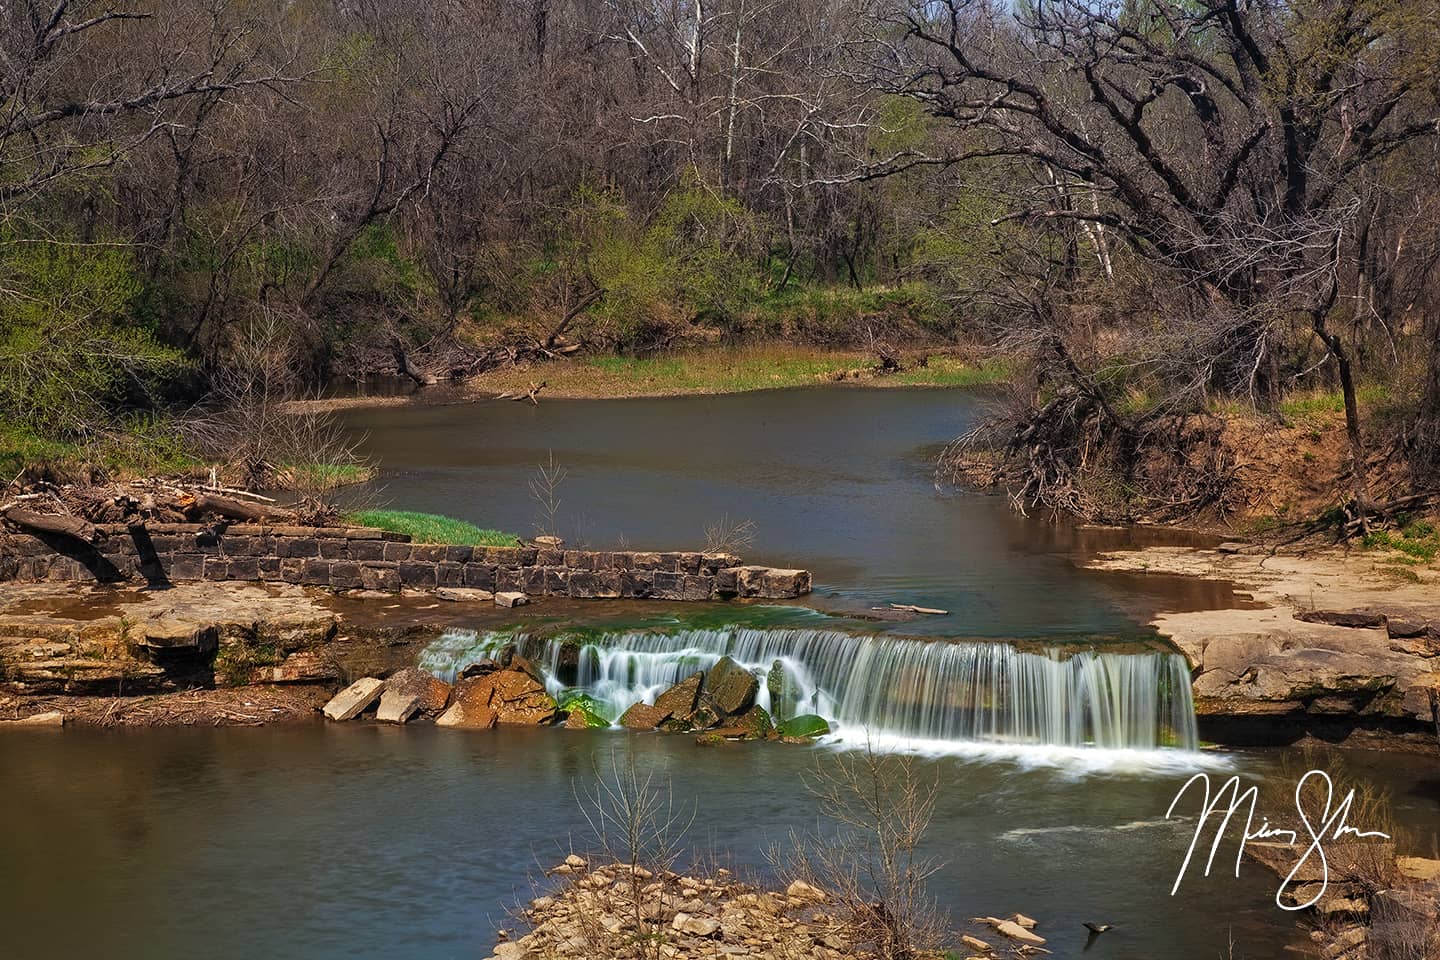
[[1331, 825]]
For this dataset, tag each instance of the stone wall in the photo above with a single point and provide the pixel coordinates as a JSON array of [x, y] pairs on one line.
[[351, 558]]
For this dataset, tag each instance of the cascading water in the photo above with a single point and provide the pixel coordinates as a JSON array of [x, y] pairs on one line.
[[984, 692]]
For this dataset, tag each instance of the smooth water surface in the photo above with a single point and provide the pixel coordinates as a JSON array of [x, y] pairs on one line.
[[357, 841], [840, 481]]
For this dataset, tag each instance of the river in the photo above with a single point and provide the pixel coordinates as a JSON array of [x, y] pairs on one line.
[[346, 841]]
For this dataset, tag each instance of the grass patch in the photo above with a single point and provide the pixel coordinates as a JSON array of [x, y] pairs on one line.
[[1417, 541], [142, 447], [328, 474], [721, 371], [432, 528], [1313, 404]]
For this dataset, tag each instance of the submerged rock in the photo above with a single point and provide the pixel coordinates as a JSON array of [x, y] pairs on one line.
[[354, 699], [730, 687]]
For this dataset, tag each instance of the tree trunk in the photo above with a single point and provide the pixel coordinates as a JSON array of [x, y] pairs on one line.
[[1360, 482]]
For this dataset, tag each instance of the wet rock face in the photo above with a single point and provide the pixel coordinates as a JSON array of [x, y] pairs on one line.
[[731, 687]]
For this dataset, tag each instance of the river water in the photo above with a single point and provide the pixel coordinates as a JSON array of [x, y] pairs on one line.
[[355, 840]]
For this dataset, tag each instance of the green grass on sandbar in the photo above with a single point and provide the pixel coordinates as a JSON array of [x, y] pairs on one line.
[[432, 528]]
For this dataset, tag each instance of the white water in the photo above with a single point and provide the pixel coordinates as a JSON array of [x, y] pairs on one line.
[[931, 696]]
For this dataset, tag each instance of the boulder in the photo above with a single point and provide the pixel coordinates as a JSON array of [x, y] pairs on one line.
[[643, 716], [503, 697], [354, 699], [397, 707], [430, 692], [975, 943], [511, 598], [680, 700], [730, 687], [784, 691], [805, 725], [755, 722]]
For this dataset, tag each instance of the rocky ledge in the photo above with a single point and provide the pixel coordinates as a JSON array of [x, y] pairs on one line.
[[1330, 644], [620, 911], [1368, 904], [510, 690]]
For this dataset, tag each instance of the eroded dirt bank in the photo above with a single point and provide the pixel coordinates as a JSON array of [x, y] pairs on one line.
[[1337, 646]]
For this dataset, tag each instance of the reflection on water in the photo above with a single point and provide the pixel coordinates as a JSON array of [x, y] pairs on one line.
[[840, 481], [359, 841]]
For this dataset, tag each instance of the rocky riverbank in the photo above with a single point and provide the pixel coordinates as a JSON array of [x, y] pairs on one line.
[[623, 911], [1335, 644]]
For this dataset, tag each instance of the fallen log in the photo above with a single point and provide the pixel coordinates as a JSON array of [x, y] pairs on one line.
[[60, 524], [237, 509]]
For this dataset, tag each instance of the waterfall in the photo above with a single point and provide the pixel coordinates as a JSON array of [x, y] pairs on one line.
[[976, 692]]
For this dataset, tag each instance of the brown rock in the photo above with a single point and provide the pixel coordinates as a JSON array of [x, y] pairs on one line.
[[306, 666], [430, 692], [506, 697], [680, 700], [642, 716], [730, 687]]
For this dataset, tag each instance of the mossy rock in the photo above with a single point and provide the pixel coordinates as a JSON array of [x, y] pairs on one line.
[[587, 708], [805, 725]]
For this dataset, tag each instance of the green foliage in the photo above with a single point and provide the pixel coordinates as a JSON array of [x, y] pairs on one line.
[[72, 356], [1417, 540], [432, 528]]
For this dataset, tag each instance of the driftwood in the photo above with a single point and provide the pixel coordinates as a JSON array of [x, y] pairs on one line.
[[61, 524], [406, 367], [911, 608], [530, 394], [233, 509]]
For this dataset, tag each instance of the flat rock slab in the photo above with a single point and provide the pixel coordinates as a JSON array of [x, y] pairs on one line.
[[511, 599], [397, 707], [354, 699], [464, 594]]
